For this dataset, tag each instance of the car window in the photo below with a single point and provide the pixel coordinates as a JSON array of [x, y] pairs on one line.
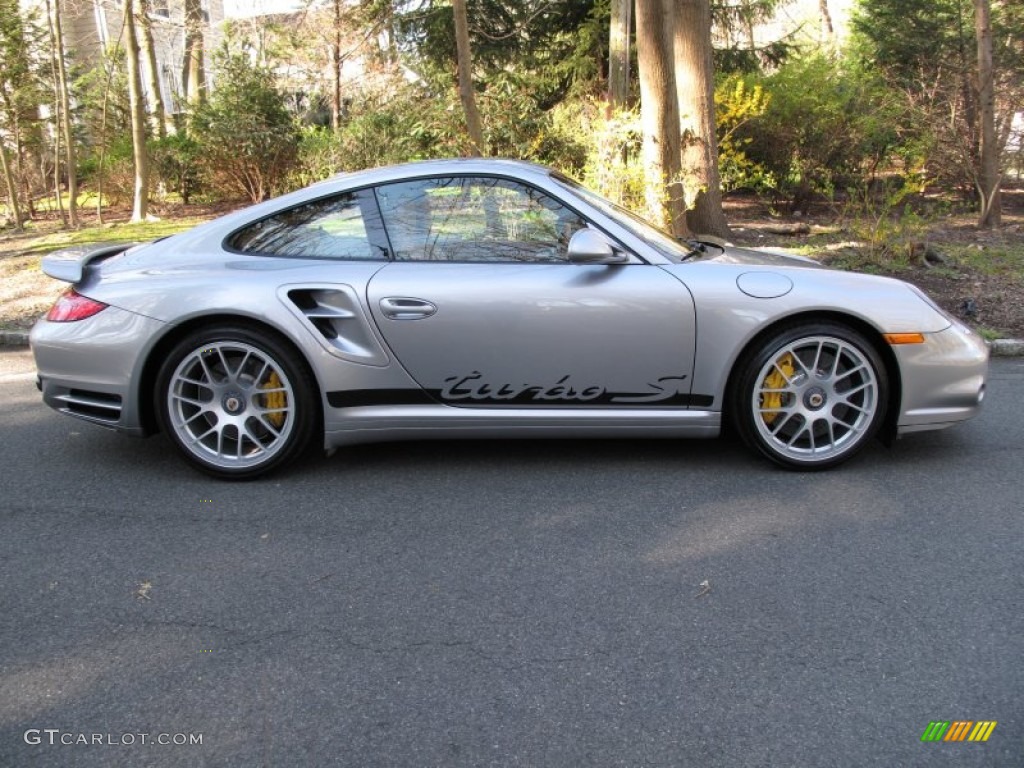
[[475, 219], [334, 228], [666, 244]]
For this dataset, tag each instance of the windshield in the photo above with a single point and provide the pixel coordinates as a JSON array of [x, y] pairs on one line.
[[663, 242]]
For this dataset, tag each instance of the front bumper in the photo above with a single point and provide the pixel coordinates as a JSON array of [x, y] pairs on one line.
[[89, 368], [943, 379]]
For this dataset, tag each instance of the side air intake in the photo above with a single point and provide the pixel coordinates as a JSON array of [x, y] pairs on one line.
[[336, 315]]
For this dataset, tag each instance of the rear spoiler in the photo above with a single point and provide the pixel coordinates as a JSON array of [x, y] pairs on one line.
[[69, 264]]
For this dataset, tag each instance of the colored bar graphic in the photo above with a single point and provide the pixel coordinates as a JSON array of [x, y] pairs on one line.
[[935, 731], [982, 730], [959, 730]]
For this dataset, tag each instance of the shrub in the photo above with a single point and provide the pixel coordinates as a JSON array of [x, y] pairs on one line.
[[613, 163], [883, 217], [178, 164], [113, 169], [737, 104], [823, 125], [406, 124], [248, 138]]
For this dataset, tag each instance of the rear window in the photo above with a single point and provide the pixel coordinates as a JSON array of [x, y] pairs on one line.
[[333, 228]]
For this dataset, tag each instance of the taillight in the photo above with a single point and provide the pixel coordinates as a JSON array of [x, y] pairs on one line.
[[72, 306]]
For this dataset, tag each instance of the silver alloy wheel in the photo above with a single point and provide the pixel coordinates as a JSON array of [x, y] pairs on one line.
[[815, 399], [231, 404]]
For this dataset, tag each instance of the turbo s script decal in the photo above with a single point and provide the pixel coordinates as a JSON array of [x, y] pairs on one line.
[[473, 389]]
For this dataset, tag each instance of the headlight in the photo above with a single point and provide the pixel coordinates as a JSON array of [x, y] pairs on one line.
[[931, 303]]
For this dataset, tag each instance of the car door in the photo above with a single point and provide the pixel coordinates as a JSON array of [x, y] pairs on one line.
[[483, 308]]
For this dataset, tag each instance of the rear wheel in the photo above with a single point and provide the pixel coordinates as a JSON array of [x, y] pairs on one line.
[[811, 396], [236, 402]]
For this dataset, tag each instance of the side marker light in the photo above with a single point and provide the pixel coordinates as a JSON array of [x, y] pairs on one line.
[[905, 338]]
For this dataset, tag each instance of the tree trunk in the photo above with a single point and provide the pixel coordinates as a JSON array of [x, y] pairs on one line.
[[695, 88], [988, 171], [55, 78], [158, 113], [336, 69], [12, 187], [389, 31], [193, 77], [109, 65], [23, 161], [828, 32], [748, 26], [57, 192], [618, 54], [465, 63], [969, 91], [63, 93], [140, 206], [659, 115]]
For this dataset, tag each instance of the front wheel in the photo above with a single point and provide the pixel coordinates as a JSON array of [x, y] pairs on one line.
[[237, 403], [811, 396]]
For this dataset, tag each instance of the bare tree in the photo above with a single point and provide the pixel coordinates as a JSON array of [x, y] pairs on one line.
[[659, 114], [140, 205], [63, 107], [465, 66], [158, 112], [618, 53], [695, 90], [988, 176]]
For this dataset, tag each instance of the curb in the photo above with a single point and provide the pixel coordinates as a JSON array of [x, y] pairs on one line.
[[13, 338], [998, 348], [1007, 348]]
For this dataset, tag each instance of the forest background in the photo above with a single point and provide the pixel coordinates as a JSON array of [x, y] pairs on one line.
[[896, 147]]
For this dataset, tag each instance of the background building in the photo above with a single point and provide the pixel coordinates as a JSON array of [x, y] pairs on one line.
[[92, 27]]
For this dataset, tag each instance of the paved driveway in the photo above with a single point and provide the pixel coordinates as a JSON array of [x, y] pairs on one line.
[[518, 604]]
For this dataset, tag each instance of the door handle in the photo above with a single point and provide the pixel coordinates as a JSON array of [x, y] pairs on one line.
[[400, 308]]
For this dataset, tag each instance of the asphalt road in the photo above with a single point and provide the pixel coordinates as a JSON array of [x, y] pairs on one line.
[[516, 604]]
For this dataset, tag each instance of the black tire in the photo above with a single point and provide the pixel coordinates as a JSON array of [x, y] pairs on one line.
[[810, 396], [238, 403]]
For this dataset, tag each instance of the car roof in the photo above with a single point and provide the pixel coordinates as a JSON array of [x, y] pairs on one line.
[[459, 165]]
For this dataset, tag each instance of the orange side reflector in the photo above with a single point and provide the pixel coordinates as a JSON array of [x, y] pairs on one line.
[[905, 338]]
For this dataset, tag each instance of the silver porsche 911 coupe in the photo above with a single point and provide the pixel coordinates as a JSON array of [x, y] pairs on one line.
[[486, 298]]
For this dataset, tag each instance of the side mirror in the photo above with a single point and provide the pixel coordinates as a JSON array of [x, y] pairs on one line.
[[588, 246]]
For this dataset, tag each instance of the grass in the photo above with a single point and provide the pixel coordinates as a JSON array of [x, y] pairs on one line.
[[42, 240], [996, 257], [988, 334], [1004, 259], [86, 202]]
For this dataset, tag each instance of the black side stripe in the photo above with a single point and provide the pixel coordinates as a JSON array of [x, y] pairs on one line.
[[356, 398]]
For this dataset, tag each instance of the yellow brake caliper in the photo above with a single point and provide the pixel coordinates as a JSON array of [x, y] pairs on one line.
[[275, 402], [776, 380]]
